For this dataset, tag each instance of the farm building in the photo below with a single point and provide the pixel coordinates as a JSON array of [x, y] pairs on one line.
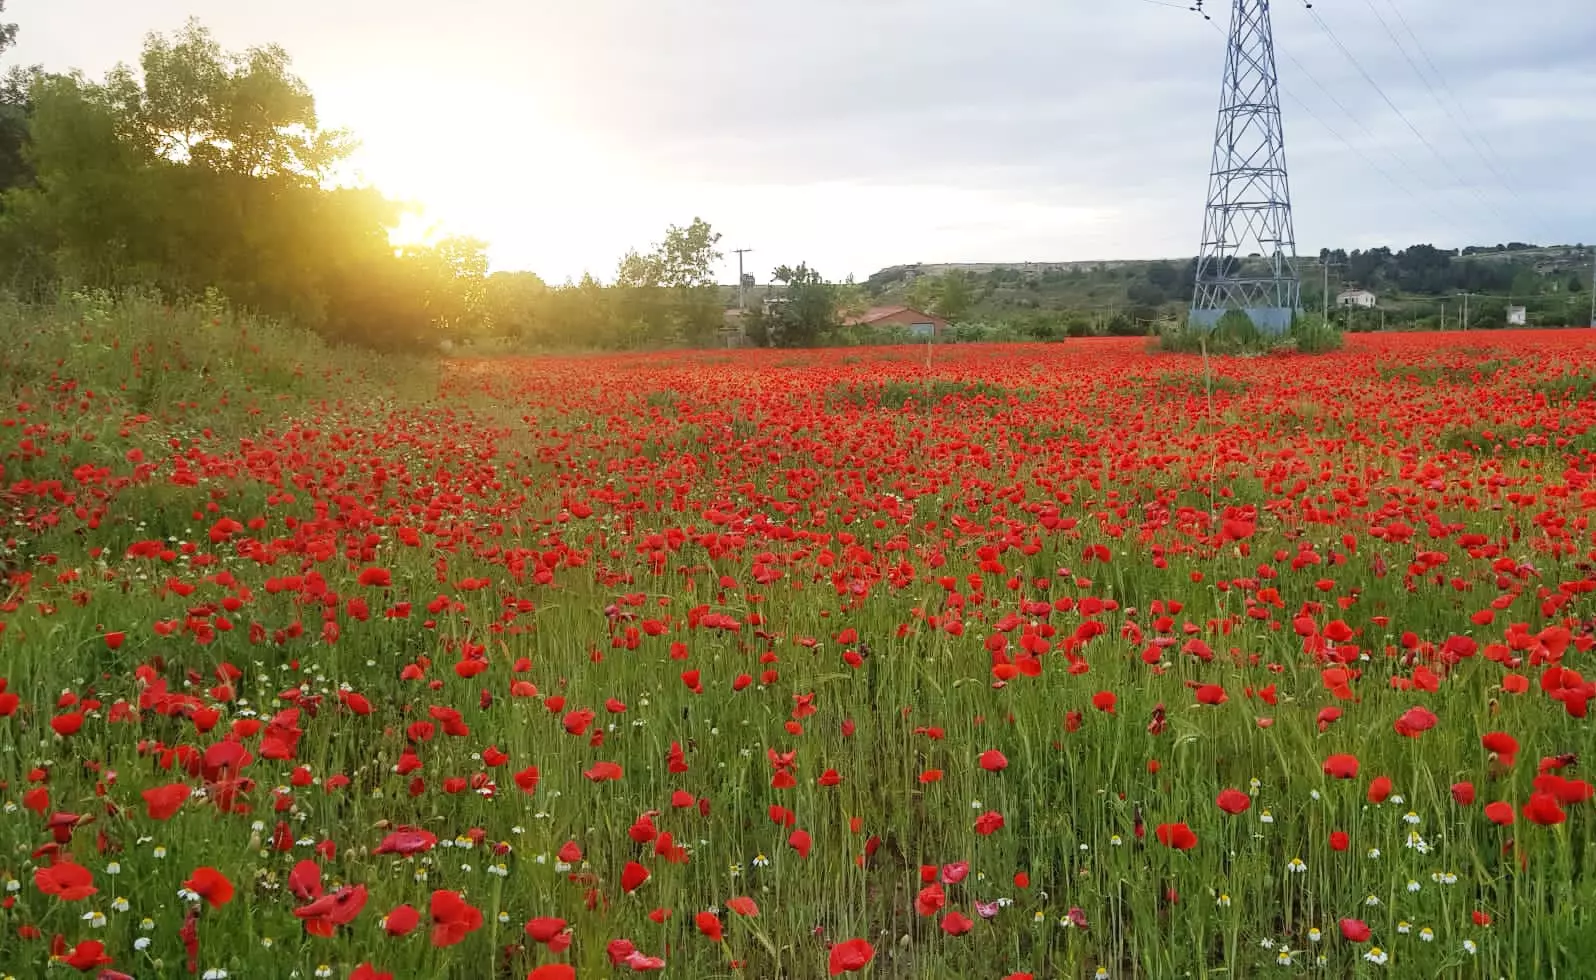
[[1360, 298], [919, 324]]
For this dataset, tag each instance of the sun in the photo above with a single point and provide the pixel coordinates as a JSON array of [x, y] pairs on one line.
[[416, 229]]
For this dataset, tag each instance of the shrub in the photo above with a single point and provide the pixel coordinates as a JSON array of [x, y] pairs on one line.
[[1235, 333]]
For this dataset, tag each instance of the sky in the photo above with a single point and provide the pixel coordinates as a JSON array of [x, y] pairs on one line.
[[858, 134]]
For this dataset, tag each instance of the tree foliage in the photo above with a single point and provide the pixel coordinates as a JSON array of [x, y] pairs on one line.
[[806, 311]]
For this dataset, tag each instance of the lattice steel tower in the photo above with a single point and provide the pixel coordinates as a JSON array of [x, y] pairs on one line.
[[1249, 250]]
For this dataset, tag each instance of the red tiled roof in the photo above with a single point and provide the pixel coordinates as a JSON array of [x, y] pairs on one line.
[[877, 313]]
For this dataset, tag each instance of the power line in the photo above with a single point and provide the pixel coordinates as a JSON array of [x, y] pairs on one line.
[[1468, 136], [1358, 152], [1419, 45], [1399, 185], [1444, 218], [1466, 125], [1399, 113]]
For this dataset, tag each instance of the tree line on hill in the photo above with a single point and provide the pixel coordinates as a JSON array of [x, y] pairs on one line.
[[1418, 287]]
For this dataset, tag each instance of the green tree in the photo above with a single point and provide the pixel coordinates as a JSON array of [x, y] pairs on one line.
[[202, 175], [923, 292], [955, 295], [668, 295], [514, 303], [242, 113], [453, 274], [806, 310]]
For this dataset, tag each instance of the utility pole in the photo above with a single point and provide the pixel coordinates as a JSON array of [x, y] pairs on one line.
[[742, 284], [1465, 324], [1593, 287], [1325, 265]]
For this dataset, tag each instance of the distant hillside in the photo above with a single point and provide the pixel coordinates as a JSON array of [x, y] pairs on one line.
[[1417, 285]]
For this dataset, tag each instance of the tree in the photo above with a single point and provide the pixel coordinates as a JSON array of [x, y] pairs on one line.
[[955, 295], [668, 295], [204, 175], [238, 113], [513, 302], [15, 106], [806, 311], [923, 292], [687, 256], [453, 274], [1145, 294]]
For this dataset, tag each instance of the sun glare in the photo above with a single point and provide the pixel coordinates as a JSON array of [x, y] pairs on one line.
[[415, 229]]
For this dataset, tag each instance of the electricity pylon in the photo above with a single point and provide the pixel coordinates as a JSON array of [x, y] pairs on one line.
[[1248, 259]]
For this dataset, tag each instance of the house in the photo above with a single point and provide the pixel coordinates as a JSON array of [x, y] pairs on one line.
[[1360, 298], [1517, 316], [919, 324]]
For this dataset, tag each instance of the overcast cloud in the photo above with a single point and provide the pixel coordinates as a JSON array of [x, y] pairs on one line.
[[856, 134]]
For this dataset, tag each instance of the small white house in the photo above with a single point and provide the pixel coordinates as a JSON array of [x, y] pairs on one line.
[[1357, 298], [1517, 316]]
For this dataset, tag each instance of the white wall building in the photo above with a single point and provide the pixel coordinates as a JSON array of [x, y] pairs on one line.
[[1359, 298]]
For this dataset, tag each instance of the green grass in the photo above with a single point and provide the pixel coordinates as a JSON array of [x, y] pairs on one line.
[[1574, 386]]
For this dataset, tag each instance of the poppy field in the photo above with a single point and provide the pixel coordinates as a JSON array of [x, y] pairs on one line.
[[1066, 661]]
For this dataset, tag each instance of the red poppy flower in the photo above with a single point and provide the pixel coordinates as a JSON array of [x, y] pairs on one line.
[[743, 905], [323, 916], [1355, 931], [366, 971], [87, 955], [453, 918], [163, 802], [604, 772], [1176, 836], [67, 881], [1415, 721], [956, 923], [1463, 794], [989, 823], [1339, 841], [553, 971], [407, 841], [402, 921], [1543, 809], [801, 842], [993, 761], [850, 956], [1341, 767], [1499, 813], [304, 881], [633, 876], [1233, 801], [544, 929], [210, 885], [708, 923], [1379, 789], [1502, 745]]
